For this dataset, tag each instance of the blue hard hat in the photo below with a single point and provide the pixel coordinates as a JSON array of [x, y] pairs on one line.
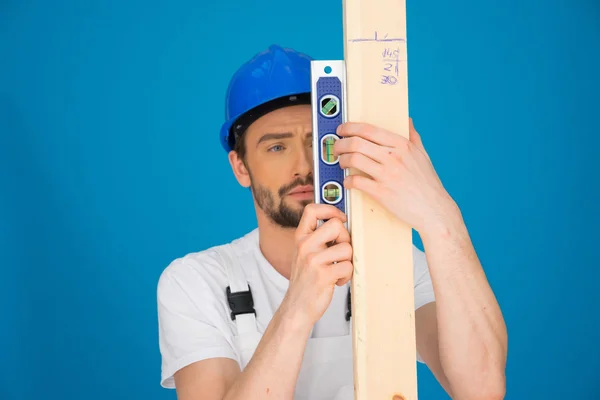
[[273, 78]]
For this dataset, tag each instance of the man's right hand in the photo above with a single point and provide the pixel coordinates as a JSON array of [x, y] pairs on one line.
[[317, 267], [322, 259]]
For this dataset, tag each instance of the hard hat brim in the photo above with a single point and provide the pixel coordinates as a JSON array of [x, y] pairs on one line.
[[232, 129]]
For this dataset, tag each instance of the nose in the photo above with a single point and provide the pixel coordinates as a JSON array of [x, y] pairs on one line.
[[304, 161]]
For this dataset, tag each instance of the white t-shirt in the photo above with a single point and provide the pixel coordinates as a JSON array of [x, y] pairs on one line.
[[194, 316]]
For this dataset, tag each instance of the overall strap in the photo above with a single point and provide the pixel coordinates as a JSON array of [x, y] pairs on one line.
[[349, 304], [239, 294]]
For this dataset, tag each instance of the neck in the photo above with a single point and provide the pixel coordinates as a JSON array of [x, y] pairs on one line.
[[277, 244]]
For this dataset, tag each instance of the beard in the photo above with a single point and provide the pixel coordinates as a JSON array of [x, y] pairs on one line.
[[281, 213]]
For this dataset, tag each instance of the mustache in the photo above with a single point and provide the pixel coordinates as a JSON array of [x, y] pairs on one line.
[[308, 180]]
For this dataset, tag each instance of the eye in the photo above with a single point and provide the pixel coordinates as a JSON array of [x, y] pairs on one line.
[[277, 147]]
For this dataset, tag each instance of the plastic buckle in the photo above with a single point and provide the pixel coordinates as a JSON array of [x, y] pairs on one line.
[[240, 302]]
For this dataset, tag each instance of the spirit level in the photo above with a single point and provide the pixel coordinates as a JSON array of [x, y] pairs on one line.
[[329, 111]]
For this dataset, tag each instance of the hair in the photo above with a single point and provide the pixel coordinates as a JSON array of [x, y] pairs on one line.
[[240, 147]]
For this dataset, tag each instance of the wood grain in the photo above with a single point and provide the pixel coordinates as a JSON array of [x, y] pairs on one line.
[[375, 53]]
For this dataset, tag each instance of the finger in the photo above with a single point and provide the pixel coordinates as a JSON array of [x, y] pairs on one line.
[[362, 163], [331, 231], [335, 254], [341, 272], [359, 145], [311, 216], [343, 281], [371, 133], [367, 185]]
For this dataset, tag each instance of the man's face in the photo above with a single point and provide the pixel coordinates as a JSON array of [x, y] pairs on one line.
[[279, 161]]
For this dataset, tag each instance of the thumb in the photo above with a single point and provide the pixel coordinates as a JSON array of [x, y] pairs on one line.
[[414, 137]]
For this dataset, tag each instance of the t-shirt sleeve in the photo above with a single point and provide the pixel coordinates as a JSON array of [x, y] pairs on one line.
[[192, 326], [423, 285]]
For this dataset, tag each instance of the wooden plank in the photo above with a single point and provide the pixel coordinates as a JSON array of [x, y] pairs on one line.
[[384, 346]]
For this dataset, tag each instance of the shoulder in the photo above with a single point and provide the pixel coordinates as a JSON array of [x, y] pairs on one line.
[[204, 270], [193, 314]]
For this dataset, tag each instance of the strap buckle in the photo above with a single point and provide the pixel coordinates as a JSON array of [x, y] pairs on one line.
[[240, 302]]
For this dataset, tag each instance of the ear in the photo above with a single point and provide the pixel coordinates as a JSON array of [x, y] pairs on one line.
[[239, 169]]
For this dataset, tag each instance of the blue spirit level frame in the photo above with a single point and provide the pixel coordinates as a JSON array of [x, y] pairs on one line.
[[329, 111]]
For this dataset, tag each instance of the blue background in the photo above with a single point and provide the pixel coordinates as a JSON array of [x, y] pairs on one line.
[[110, 167]]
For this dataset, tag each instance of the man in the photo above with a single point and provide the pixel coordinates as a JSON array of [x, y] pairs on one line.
[[266, 316]]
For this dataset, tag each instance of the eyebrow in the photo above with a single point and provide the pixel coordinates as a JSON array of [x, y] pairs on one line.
[[277, 136]]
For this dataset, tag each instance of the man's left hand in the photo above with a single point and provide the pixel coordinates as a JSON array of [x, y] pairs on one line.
[[401, 176]]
